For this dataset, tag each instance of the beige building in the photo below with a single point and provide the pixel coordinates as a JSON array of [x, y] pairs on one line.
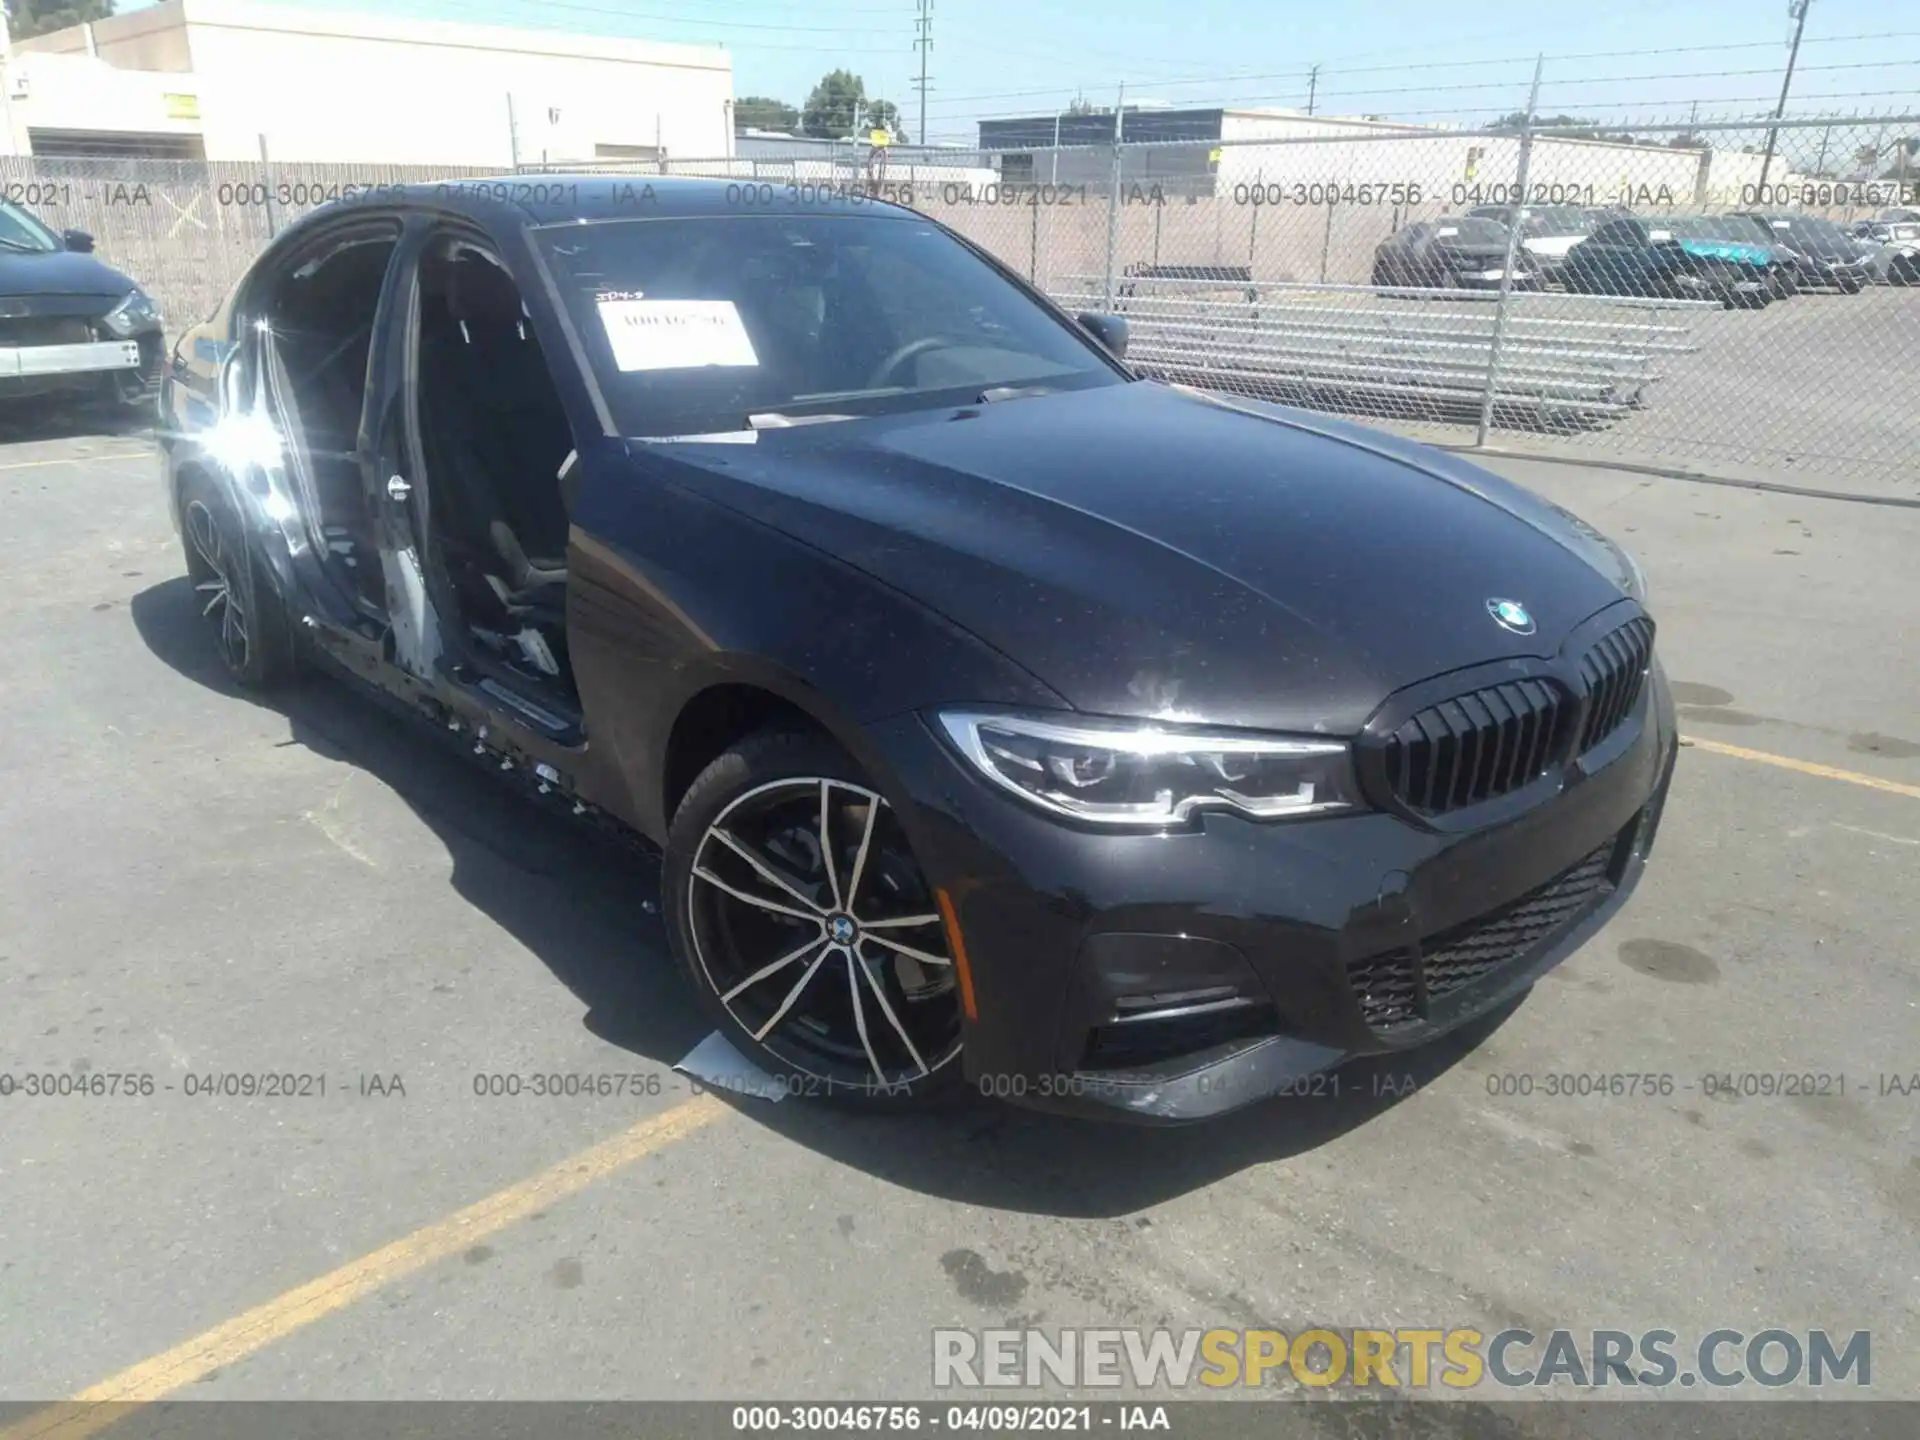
[[237, 79]]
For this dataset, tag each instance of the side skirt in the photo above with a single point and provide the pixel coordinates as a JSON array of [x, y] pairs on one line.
[[485, 742]]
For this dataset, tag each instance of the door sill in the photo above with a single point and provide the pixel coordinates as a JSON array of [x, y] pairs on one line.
[[546, 715]]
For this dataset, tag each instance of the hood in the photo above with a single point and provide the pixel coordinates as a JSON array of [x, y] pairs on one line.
[[1734, 250], [59, 272], [1150, 551]]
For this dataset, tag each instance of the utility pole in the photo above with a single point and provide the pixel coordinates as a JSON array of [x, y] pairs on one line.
[[923, 42], [1313, 85], [1797, 12], [1522, 166], [1113, 197]]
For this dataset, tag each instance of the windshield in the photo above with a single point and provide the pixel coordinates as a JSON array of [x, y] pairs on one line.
[[1469, 230], [695, 325], [1813, 229], [1556, 220], [20, 231]]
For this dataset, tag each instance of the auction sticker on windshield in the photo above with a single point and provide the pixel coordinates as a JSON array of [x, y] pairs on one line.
[[675, 334]]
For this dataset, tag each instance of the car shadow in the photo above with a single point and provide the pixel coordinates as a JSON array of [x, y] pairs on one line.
[[588, 906], [56, 418]]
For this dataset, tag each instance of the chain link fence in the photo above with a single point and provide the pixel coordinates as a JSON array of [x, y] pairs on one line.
[[186, 230], [1726, 297]]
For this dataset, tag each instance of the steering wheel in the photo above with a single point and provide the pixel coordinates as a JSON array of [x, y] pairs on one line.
[[884, 370]]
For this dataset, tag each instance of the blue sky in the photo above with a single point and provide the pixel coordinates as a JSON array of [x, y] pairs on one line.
[[1400, 58]]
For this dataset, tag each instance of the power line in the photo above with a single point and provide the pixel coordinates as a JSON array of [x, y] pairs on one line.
[[1304, 74]]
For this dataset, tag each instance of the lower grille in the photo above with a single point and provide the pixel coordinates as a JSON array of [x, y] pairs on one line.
[[1387, 987], [1465, 954], [1397, 988]]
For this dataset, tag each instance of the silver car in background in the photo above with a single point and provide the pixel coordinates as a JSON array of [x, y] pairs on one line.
[[1893, 250]]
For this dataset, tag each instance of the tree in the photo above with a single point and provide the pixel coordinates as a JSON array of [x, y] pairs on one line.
[[884, 115], [1517, 120], [833, 108], [1080, 105], [42, 17], [761, 112]]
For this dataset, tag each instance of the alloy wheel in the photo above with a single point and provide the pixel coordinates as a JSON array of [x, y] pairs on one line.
[[217, 582], [813, 926]]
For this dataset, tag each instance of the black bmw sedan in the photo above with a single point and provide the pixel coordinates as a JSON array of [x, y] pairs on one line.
[[1005, 720]]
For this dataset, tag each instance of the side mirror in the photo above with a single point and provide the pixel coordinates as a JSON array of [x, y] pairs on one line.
[[1109, 330], [77, 240]]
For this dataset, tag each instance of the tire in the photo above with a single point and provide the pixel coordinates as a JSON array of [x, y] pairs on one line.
[[1848, 285], [764, 941], [250, 628]]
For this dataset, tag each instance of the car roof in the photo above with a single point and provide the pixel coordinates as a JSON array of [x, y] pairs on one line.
[[552, 199]]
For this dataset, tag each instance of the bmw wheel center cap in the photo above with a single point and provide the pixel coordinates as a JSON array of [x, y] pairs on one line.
[[1511, 615]]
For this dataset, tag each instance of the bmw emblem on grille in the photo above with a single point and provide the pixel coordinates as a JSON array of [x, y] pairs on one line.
[[1510, 615]]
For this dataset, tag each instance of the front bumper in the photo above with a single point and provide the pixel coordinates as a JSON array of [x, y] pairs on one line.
[[1842, 274], [127, 369], [98, 355], [1173, 977]]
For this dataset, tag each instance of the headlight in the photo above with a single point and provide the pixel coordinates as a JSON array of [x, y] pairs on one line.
[[136, 312], [1139, 775]]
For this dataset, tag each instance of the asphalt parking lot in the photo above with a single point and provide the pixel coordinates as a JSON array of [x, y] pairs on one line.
[[192, 882], [1820, 385]]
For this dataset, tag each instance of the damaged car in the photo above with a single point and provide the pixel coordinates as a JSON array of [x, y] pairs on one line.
[[71, 326], [1008, 722]]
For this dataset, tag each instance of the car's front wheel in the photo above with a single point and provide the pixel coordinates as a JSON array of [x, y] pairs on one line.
[[812, 939], [249, 625]]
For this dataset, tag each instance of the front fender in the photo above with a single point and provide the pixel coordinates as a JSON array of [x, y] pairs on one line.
[[670, 593]]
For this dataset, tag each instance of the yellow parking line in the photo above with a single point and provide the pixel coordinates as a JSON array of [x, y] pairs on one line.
[[1787, 762], [99, 1406], [82, 460]]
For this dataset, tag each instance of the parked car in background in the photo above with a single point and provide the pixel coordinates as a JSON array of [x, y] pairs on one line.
[[1817, 249], [1682, 257], [1893, 251], [1547, 231], [71, 325], [1455, 252]]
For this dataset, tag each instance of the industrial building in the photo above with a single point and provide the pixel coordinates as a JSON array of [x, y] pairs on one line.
[[242, 80], [1208, 152]]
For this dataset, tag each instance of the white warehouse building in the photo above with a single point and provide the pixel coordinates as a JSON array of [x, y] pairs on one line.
[[1232, 152], [242, 80]]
